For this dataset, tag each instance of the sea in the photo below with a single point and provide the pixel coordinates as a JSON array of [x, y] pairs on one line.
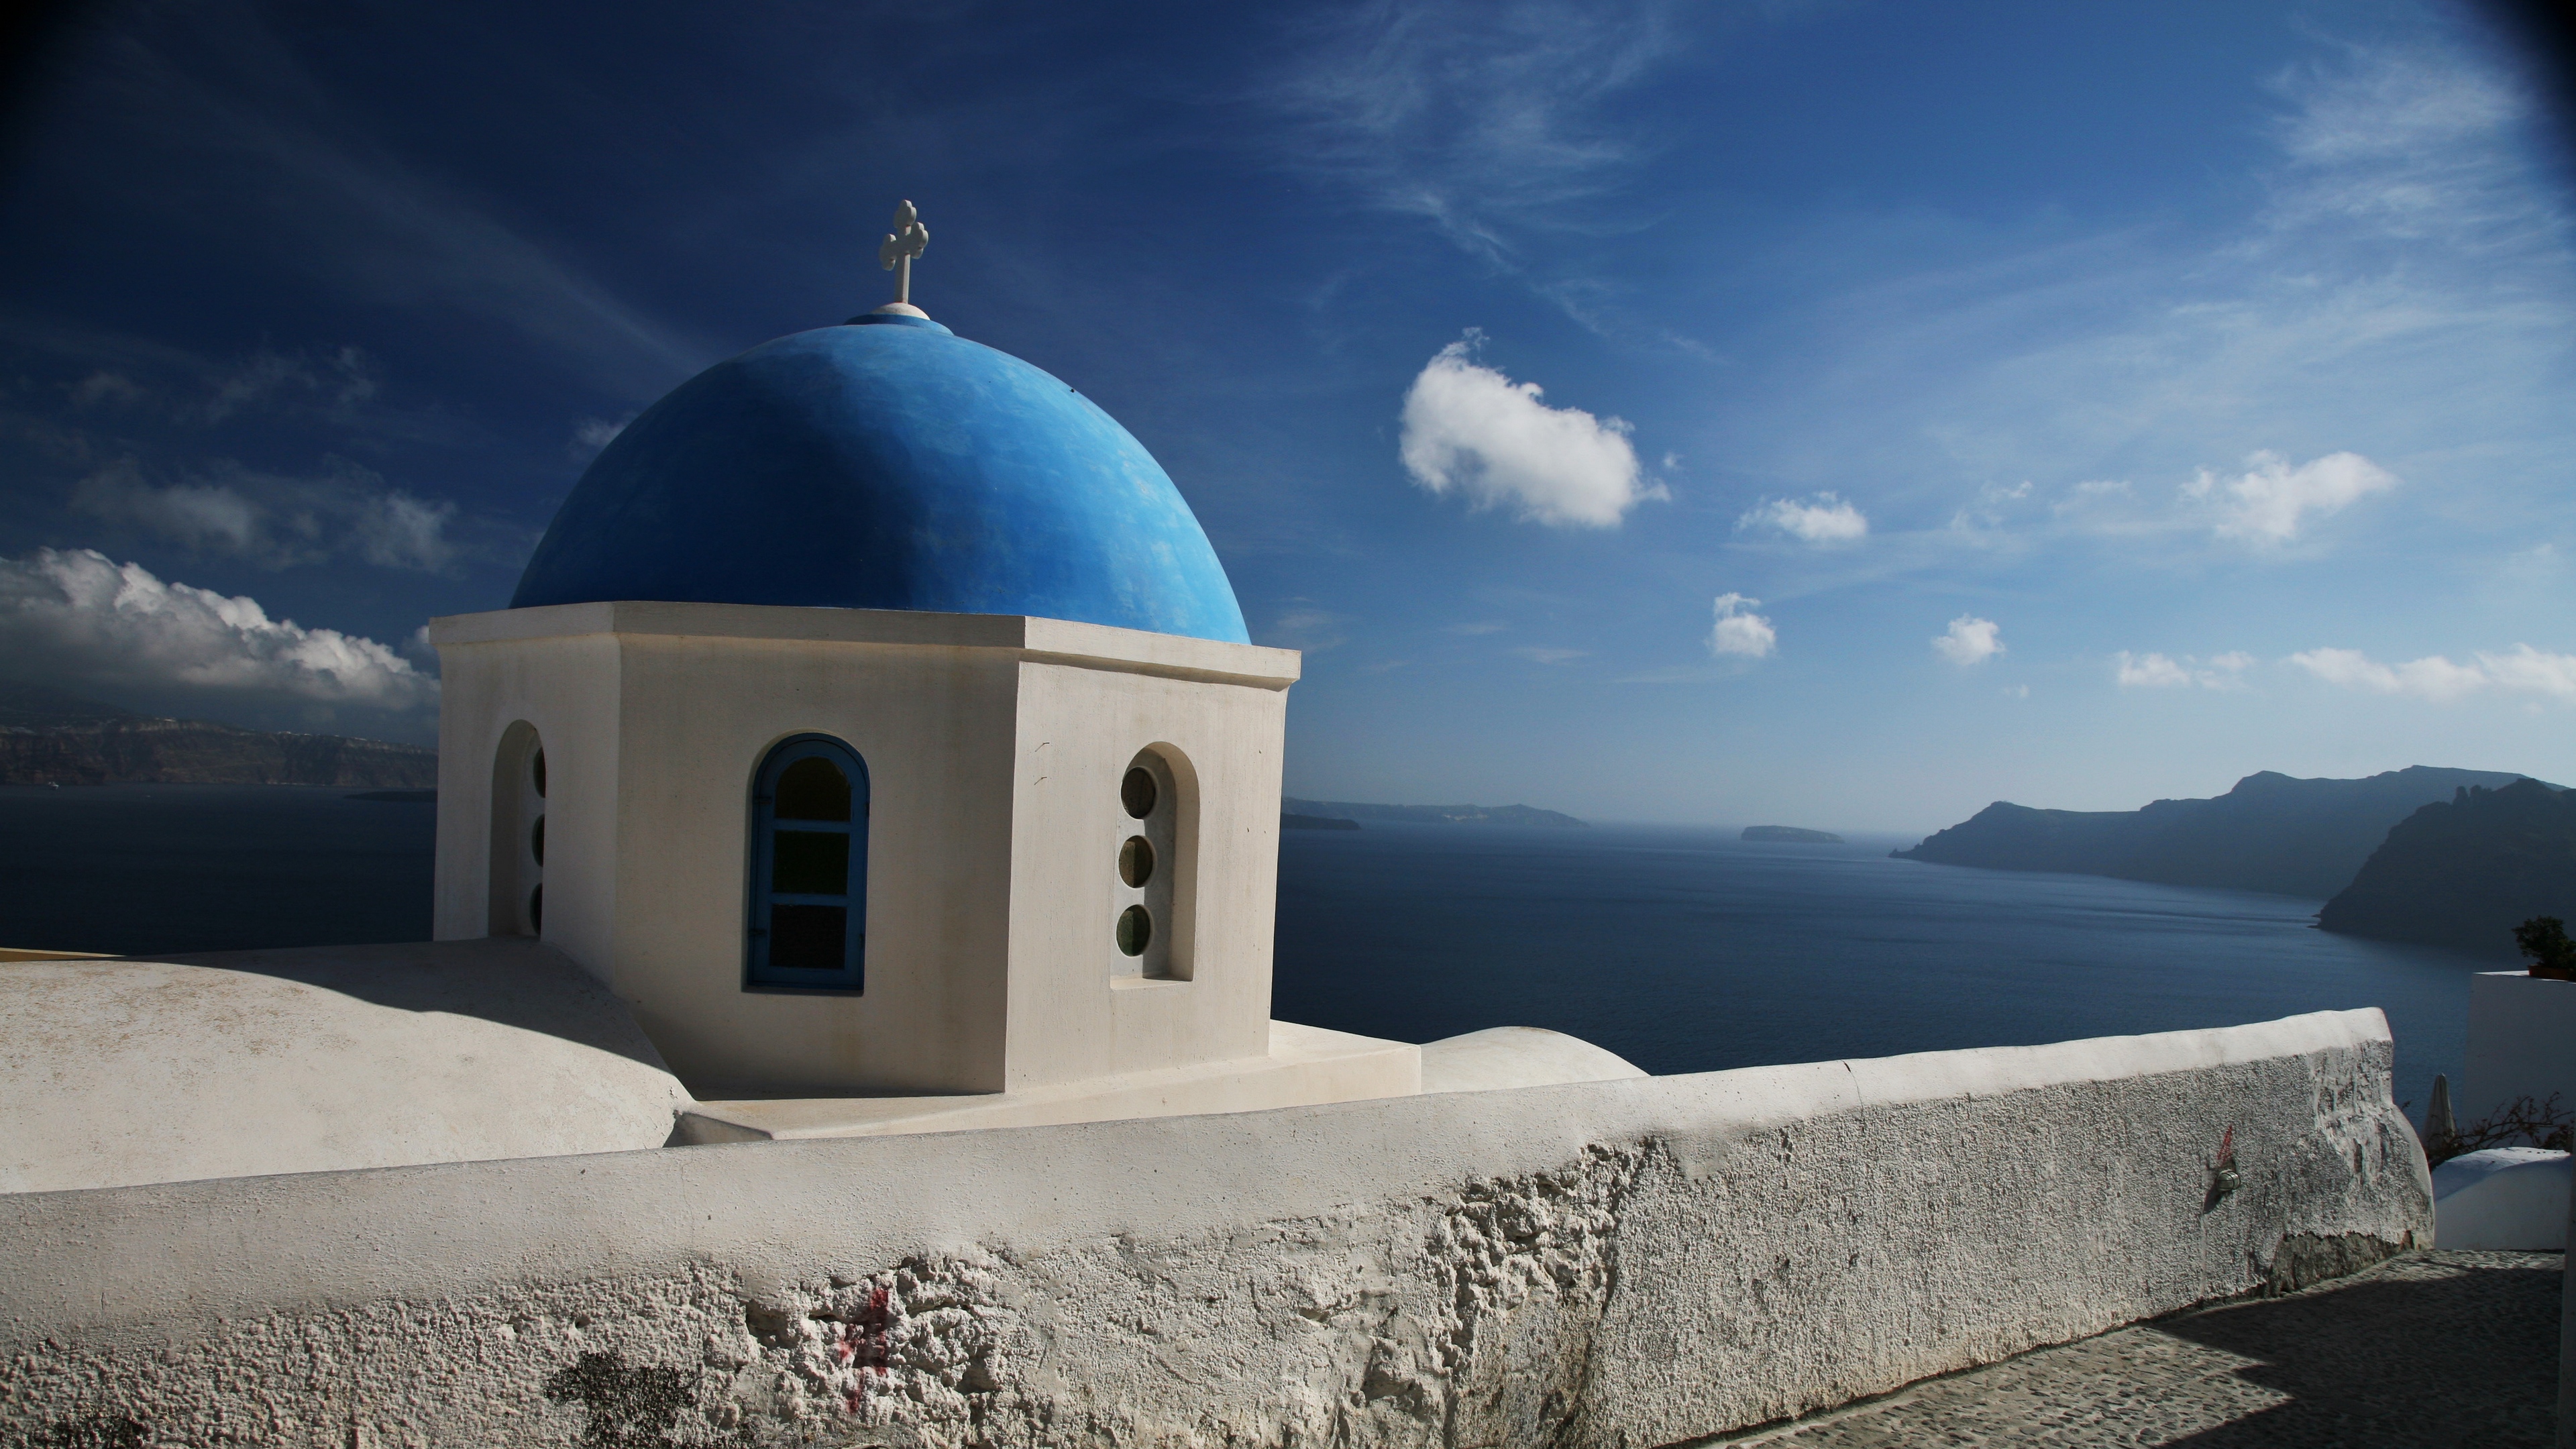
[[1683, 950]]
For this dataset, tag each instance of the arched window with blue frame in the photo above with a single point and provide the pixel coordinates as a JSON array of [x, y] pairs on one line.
[[809, 868]]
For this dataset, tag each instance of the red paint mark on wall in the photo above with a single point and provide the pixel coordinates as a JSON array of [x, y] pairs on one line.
[[863, 1346]]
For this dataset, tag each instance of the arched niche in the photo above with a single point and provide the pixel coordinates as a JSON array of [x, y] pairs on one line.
[[518, 853], [1154, 878]]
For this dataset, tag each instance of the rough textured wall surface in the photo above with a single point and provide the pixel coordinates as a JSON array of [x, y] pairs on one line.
[[1607, 1263]]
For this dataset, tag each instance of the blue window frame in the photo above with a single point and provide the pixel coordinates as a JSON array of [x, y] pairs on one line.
[[808, 926]]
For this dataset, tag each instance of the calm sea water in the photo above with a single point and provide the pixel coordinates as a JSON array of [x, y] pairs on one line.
[[132, 869], [1689, 950], [1682, 950]]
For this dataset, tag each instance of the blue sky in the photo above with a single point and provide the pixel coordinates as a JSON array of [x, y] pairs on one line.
[[1841, 415]]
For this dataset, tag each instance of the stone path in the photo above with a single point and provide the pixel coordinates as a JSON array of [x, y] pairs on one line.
[[2432, 1349]]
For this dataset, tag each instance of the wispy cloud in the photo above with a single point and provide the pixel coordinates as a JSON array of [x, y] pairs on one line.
[[2400, 141], [1471, 430], [1824, 519], [1482, 120], [1969, 640], [81, 618], [2397, 302], [277, 521], [1739, 632], [2521, 670], [125, 381], [1538, 655], [1310, 629], [273, 159], [1476, 626]]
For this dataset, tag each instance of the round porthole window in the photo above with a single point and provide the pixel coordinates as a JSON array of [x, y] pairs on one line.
[[537, 840], [537, 772], [1137, 792], [1136, 863], [1135, 930]]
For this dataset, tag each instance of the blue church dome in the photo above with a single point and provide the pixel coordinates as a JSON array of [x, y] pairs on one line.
[[885, 464]]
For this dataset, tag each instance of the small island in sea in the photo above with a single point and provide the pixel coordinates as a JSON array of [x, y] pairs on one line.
[[1791, 834]]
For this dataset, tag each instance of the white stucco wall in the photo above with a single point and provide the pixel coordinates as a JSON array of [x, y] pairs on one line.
[[2522, 1043], [240, 1062], [2513, 1198], [1626, 1263], [994, 746], [1078, 1008], [1517, 1056]]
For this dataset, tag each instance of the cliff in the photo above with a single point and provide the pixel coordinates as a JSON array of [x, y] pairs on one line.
[[48, 737], [1431, 814], [2270, 833], [2464, 872]]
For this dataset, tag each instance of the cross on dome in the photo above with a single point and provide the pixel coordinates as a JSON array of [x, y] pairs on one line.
[[909, 239]]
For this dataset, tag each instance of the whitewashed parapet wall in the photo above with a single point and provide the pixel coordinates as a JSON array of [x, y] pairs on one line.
[[1613, 1263]]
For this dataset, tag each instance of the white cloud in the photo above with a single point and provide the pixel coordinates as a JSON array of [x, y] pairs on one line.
[[2532, 670], [1969, 640], [2269, 501], [2016, 691], [592, 434], [1740, 631], [2431, 677], [1478, 626], [1469, 428], [277, 521], [2522, 670], [1550, 656], [1825, 520], [77, 615], [2148, 671], [2161, 671]]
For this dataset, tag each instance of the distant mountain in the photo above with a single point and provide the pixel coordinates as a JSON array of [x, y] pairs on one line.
[[2270, 833], [48, 737], [1791, 834], [2464, 872], [1431, 814], [35, 706], [1314, 822]]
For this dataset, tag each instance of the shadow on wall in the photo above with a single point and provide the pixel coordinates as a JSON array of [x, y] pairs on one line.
[[509, 981], [2361, 1363]]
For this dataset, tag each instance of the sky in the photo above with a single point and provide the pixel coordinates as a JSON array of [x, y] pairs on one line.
[[1840, 415]]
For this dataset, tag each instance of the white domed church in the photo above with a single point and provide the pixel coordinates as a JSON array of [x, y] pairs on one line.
[[873, 744]]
